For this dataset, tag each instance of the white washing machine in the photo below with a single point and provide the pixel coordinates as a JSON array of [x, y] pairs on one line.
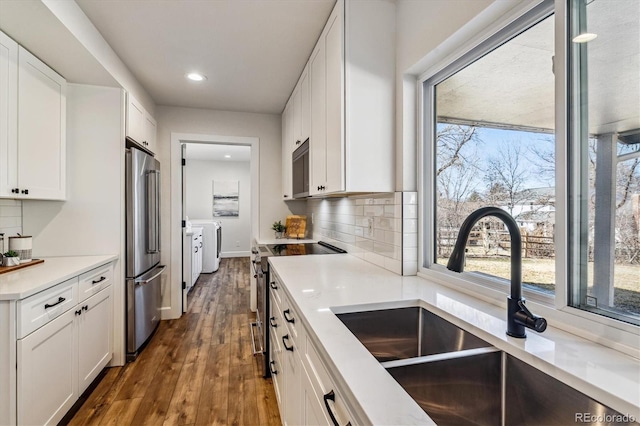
[[211, 244]]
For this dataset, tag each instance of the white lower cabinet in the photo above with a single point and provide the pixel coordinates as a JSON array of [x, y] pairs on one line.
[[306, 393], [94, 337], [312, 411], [47, 372], [57, 361]]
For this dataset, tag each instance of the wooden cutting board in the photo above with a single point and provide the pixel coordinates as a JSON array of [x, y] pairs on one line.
[[296, 226], [5, 269]]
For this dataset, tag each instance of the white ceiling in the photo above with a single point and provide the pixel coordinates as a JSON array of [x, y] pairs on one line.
[[34, 26], [514, 84], [216, 152], [252, 51]]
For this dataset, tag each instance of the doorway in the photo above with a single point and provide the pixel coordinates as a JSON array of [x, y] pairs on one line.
[[216, 206], [247, 212]]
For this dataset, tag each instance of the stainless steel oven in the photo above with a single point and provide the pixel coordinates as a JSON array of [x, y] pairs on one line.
[[260, 265]]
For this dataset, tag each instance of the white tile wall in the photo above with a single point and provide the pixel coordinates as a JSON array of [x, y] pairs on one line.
[[370, 227], [10, 219], [409, 233]]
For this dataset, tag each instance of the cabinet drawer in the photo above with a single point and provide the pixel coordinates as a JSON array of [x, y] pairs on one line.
[[95, 280], [37, 310], [291, 319], [276, 289]]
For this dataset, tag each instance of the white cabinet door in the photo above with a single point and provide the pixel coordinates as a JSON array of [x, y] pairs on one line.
[[318, 138], [305, 106], [41, 130], [200, 253], [48, 372], [150, 132], [194, 260], [135, 126], [335, 104], [95, 347], [8, 115], [287, 189], [297, 118], [312, 406], [293, 402]]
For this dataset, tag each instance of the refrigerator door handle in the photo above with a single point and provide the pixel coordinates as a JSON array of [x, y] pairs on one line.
[[153, 211], [144, 281]]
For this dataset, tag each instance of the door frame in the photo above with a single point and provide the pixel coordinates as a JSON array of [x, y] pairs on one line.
[[174, 308]]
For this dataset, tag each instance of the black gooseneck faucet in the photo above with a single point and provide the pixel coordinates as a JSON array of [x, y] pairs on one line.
[[518, 316]]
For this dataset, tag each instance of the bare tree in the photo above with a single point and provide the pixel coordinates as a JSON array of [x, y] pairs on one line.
[[456, 178], [506, 176]]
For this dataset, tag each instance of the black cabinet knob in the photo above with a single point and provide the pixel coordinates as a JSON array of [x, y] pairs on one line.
[[25, 191]]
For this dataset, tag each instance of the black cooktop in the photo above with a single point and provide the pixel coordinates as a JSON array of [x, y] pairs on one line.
[[303, 248]]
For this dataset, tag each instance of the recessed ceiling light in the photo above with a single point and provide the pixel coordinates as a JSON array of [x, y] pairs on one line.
[[584, 37], [227, 156], [194, 76]]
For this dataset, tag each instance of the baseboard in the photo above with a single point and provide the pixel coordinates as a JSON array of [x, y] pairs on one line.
[[226, 254]]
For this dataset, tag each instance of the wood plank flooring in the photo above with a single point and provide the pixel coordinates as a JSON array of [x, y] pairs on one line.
[[197, 370]]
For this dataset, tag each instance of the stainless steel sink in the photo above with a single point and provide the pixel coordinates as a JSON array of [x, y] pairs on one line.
[[392, 334], [459, 379]]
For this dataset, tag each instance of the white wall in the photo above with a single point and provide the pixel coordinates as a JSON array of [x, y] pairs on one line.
[[91, 220], [422, 26], [236, 231]]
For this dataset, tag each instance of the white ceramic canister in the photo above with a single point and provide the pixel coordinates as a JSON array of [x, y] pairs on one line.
[[23, 246]]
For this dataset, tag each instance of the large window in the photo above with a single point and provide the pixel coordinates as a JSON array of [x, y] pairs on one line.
[[605, 141], [491, 140]]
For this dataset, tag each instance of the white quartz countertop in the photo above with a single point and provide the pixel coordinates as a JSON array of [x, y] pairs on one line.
[[322, 285], [33, 279]]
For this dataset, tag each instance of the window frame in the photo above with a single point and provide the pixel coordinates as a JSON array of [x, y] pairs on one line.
[[504, 26]]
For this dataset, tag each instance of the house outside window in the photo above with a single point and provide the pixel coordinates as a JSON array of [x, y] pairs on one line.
[[492, 137]]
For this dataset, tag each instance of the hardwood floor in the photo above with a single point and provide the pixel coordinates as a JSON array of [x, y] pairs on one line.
[[197, 370]]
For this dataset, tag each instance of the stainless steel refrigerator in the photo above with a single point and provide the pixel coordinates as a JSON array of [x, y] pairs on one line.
[[143, 267]]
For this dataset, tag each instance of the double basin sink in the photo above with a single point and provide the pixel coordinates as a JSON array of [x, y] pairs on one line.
[[458, 378]]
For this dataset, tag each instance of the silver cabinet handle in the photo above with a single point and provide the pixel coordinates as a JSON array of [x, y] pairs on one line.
[[156, 275]]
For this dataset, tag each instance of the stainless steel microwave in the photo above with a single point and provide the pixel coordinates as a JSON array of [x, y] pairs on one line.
[[300, 171]]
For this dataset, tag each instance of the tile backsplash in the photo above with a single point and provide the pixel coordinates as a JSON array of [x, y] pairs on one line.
[[10, 219], [375, 228]]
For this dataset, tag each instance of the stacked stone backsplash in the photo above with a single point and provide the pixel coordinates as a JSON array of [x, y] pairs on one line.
[[381, 228], [10, 220]]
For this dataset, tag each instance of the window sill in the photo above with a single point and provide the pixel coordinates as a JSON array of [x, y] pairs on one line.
[[606, 331]]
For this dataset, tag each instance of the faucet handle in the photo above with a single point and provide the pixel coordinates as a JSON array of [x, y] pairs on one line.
[[529, 320]]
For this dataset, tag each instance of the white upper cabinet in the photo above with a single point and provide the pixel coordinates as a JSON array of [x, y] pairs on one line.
[[352, 70], [32, 126], [318, 138], [296, 117], [140, 125], [305, 106], [42, 110], [150, 131], [8, 115], [287, 124], [135, 119]]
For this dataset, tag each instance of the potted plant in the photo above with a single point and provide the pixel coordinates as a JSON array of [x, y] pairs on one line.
[[10, 258], [279, 228]]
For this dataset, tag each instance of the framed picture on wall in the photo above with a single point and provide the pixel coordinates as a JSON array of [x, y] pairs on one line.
[[226, 198]]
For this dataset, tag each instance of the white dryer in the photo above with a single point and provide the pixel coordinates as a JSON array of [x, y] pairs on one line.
[[211, 242]]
